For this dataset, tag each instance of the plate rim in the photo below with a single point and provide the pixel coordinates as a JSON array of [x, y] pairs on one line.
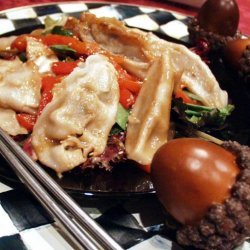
[[92, 2]]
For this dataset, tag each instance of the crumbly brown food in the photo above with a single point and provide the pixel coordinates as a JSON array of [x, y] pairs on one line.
[[226, 225], [244, 63], [216, 41]]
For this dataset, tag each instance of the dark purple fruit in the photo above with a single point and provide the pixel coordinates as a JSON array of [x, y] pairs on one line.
[[219, 16]]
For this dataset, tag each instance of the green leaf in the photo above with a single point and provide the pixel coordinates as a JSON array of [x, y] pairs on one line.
[[122, 116], [192, 96], [62, 49], [202, 115], [59, 30]]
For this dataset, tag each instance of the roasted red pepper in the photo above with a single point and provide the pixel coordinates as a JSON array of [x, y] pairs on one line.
[[179, 93], [82, 48], [48, 82], [20, 43], [126, 98], [63, 68], [26, 120]]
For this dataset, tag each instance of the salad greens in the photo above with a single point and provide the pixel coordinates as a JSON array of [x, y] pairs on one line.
[[202, 115]]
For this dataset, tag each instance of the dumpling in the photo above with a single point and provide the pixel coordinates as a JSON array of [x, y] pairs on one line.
[[191, 71], [20, 85], [80, 116], [9, 123], [149, 121]]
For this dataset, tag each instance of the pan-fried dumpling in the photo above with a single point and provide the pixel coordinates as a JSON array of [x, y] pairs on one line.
[[78, 120], [149, 121], [191, 71], [20, 85]]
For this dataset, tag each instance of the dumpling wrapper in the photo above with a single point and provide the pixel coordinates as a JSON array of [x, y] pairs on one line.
[[80, 116], [9, 123], [20, 85], [149, 121], [189, 70]]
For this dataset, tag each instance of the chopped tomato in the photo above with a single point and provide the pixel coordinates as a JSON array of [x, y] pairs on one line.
[[185, 98], [63, 68], [126, 98], [48, 82], [26, 120], [82, 48]]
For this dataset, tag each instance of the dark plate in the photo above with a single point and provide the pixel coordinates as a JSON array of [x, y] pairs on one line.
[[125, 180]]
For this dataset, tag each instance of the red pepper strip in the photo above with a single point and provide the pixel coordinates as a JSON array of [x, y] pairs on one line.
[[185, 98], [126, 98], [82, 48], [20, 43], [48, 82], [125, 80], [63, 68], [132, 86], [26, 120]]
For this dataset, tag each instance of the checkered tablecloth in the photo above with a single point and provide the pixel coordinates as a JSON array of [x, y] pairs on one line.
[[135, 222]]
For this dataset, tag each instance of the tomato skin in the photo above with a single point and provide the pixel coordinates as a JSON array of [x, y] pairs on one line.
[[190, 175]]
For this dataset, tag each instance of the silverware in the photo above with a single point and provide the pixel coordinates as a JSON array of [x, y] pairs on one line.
[[84, 230]]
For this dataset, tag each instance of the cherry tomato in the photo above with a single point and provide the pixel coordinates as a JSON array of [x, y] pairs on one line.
[[190, 175]]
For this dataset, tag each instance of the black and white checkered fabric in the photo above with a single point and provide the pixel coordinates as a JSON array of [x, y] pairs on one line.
[[135, 223]]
